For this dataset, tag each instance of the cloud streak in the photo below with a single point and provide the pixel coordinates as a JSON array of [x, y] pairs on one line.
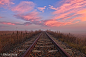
[[6, 3], [70, 12], [32, 16], [7, 23], [56, 23], [10, 23], [25, 11], [24, 6], [51, 7], [41, 8]]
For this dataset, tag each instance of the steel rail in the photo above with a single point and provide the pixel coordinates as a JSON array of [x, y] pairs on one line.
[[27, 53], [64, 54]]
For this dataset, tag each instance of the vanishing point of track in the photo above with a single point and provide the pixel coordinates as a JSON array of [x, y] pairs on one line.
[[45, 46]]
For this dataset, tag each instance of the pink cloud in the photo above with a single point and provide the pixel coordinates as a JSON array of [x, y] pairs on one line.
[[56, 23], [51, 7], [82, 11], [5, 3], [24, 6], [8, 23], [70, 5], [41, 8], [25, 11], [81, 18], [70, 12], [62, 15], [32, 16]]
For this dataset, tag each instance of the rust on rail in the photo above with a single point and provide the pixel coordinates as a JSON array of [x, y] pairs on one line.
[[27, 53], [64, 54]]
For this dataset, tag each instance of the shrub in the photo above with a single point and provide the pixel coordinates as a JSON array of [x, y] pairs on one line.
[[72, 41]]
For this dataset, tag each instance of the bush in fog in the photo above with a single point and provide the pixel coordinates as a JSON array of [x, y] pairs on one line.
[[72, 41]]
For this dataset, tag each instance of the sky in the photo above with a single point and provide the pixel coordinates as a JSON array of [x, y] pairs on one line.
[[58, 15]]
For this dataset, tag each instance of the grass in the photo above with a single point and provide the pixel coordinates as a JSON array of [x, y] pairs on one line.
[[71, 40], [10, 39]]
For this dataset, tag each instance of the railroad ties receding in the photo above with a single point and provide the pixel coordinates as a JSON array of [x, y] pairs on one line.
[[44, 46]]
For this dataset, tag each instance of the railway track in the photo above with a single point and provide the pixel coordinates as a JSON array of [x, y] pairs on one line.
[[44, 46]]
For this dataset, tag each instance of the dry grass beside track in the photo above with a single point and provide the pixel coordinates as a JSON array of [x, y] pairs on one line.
[[72, 41], [11, 39]]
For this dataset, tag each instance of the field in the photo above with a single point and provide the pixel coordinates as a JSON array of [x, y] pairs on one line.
[[75, 42], [11, 39]]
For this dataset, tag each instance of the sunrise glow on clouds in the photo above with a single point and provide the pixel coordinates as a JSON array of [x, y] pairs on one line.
[[6, 3], [69, 12], [42, 8], [74, 7], [24, 6]]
